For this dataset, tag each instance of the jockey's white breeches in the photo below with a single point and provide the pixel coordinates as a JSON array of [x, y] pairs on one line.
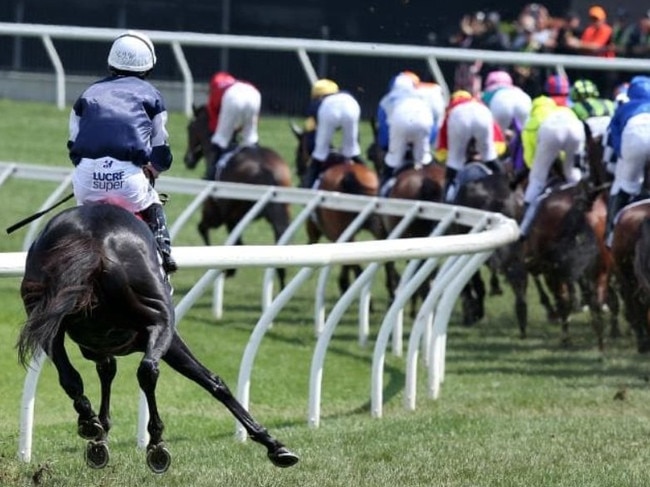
[[240, 111], [337, 111], [635, 154], [411, 122], [111, 181], [560, 132], [510, 104], [466, 121]]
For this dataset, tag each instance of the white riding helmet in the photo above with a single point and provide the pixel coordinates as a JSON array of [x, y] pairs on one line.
[[132, 51]]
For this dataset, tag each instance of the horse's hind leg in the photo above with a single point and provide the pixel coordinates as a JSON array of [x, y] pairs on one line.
[[277, 215], [181, 359], [89, 425], [158, 457]]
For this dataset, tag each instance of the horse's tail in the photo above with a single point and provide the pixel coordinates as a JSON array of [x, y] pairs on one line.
[[66, 287], [430, 190], [351, 183], [642, 256]]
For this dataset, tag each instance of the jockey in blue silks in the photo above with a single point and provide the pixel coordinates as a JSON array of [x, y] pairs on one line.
[[628, 138]]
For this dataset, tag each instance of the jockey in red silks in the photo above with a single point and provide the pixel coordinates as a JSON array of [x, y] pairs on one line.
[[233, 108], [468, 118]]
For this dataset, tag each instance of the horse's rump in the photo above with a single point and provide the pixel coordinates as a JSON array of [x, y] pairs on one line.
[[90, 263]]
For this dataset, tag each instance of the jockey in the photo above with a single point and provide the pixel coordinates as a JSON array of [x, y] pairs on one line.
[[433, 95], [551, 131], [410, 125], [557, 88], [609, 157], [330, 109], [403, 84], [117, 133], [468, 118], [628, 136], [233, 107], [596, 112], [506, 101]]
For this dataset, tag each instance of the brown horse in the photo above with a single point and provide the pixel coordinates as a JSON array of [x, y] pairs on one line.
[[422, 183], [630, 247], [250, 165], [342, 175], [567, 247]]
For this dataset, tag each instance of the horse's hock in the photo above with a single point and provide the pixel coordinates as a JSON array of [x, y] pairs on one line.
[[456, 257]]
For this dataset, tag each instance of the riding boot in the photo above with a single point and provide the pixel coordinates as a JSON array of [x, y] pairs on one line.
[[494, 166], [358, 160], [154, 216], [615, 204], [526, 221], [313, 171], [450, 178], [386, 174], [217, 152]]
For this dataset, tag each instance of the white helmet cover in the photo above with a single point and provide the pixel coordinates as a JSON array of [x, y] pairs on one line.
[[132, 51]]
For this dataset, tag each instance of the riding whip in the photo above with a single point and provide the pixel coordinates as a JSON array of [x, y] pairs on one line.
[[33, 217]]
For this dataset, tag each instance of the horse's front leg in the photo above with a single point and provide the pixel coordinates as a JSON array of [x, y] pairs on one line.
[[89, 426], [181, 359]]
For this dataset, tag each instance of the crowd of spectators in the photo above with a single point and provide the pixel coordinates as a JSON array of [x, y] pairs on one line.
[[593, 33]]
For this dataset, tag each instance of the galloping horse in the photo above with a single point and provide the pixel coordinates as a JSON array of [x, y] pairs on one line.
[[630, 252], [566, 246], [422, 183], [93, 274], [492, 192], [250, 165], [343, 175]]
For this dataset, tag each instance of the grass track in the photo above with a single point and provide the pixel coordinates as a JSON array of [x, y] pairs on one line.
[[511, 412]]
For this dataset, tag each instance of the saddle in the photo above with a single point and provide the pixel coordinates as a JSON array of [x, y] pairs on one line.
[[473, 171], [388, 185]]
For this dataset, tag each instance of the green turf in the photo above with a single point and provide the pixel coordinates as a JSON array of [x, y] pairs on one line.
[[511, 412]]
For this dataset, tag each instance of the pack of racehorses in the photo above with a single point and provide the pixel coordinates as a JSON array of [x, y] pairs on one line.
[[93, 273]]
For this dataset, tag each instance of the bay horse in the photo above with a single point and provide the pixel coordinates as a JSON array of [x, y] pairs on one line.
[[566, 247], [343, 175], [251, 165], [93, 274], [630, 252], [422, 183]]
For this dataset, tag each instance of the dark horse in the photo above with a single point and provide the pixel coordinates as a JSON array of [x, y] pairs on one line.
[[342, 175], [491, 191], [631, 255], [93, 274], [250, 165]]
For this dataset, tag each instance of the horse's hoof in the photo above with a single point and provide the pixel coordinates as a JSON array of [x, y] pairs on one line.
[[158, 458], [91, 429], [97, 454], [283, 458]]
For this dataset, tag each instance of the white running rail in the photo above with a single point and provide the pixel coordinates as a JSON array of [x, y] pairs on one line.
[[463, 255]]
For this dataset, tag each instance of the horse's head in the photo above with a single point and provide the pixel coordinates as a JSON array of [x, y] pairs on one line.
[[302, 151], [198, 137]]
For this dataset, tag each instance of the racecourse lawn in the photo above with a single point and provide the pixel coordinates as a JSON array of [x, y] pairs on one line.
[[511, 412]]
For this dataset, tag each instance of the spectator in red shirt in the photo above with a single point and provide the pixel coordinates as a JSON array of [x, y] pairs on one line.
[[595, 39]]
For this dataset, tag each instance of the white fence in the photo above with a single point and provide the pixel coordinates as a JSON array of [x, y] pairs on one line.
[[302, 47], [463, 253]]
